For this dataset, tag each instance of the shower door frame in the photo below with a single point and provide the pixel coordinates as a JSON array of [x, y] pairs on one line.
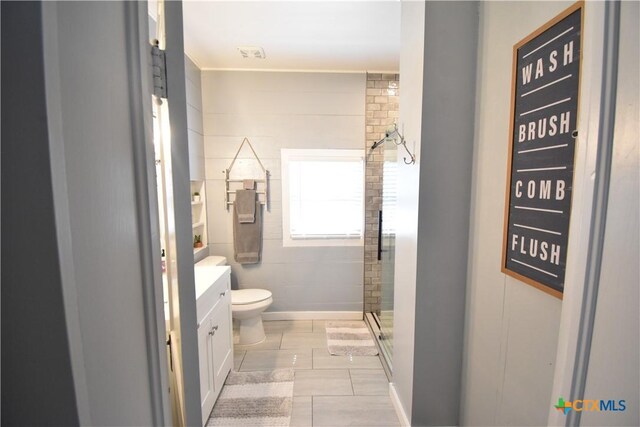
[[384, 335]]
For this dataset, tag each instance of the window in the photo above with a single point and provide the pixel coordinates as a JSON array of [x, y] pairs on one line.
[[322, 197]]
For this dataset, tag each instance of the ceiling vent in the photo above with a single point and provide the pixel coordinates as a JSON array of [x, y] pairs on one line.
[[252, 52]]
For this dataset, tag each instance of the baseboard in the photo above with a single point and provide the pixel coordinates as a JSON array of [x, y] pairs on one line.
[[402, 415], [312, 315]]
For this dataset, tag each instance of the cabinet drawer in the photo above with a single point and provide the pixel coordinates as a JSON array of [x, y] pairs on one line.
[[216, 292]]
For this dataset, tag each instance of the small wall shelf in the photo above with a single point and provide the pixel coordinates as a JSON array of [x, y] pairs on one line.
[[199, 219]]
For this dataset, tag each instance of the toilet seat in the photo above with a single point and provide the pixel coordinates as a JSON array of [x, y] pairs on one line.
[[249, 296]]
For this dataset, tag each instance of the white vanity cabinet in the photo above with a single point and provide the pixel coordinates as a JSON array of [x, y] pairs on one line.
[[215, 336]]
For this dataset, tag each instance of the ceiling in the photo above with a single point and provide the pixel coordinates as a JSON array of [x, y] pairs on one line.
[[295, 35]]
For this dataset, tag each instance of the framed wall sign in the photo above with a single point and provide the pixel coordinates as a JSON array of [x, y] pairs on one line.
[[542, 139]]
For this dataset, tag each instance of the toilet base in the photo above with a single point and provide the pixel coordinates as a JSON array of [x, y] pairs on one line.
[[252, 331]]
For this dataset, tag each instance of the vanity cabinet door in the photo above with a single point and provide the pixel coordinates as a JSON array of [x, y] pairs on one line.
[[205, 360], [215, 343], [222, 340]]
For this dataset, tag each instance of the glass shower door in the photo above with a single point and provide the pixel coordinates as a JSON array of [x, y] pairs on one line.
[[387, 235]]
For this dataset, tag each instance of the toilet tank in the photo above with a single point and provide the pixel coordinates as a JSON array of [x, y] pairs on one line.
[[213, 260]]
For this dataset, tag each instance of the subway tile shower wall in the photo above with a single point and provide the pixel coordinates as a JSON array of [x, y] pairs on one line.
[[382, 108]]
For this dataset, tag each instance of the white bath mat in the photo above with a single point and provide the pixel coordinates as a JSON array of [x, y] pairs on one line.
[[350, 338], [255, 399]]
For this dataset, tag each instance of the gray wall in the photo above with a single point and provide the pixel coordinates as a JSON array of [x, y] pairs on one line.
[[282, 110], [614, 362], [437, 112], [37, 384], [443, 225], [194, 120], [184, 318], [94, 95]]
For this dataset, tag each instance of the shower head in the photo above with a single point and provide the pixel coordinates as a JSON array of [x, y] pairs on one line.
[[390, 134], [377, 144]]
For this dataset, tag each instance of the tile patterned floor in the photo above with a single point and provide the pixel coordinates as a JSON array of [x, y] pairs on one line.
[[328, 390]]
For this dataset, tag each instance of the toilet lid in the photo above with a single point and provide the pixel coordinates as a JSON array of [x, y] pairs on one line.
[[249, 296]]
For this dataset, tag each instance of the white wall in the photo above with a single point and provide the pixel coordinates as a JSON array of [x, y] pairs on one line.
[[511, 328], [411, 74], [282, 110], [614, 361], [195, 136]]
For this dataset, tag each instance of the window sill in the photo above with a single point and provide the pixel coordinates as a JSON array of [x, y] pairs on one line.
[[288, 242]]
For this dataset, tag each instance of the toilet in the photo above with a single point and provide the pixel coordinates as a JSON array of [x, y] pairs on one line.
[[247, 306]]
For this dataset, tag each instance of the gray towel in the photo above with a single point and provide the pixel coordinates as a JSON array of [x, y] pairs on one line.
[[249, 184], [245, 204], [247, 237]]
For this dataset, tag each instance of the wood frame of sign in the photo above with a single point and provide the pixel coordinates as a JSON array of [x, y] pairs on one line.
[[543, 127]]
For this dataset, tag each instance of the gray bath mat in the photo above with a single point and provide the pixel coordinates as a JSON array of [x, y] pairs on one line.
[[255, 399], [350, 338]]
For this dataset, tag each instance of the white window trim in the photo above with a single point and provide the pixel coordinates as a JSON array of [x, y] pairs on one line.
[[287, 155]]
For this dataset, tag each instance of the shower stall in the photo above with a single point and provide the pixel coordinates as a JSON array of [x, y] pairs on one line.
[[386, 251], [380, 317], [384, 139]]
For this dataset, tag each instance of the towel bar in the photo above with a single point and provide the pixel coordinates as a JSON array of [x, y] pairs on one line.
[[230, 203], [257, 192], [228, 180], [241, 180]]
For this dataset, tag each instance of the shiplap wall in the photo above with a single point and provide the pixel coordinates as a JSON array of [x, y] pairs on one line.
[[195, 134], [278, 110], [512, 328], [194, 120]]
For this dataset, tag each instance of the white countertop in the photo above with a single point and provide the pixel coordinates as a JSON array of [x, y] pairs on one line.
[[206, 275]]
